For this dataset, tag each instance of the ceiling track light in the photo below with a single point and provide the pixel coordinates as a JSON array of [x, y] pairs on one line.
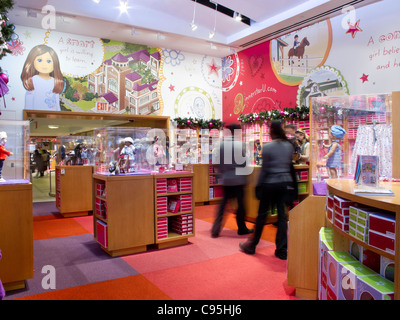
[[237, 16], [212, 32], [193, 26]]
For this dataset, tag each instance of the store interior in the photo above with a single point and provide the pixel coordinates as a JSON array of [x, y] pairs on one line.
[[119, 225]]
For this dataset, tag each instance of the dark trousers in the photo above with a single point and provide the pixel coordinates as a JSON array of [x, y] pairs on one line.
[[231, 192], [272, 194], [1, 166]]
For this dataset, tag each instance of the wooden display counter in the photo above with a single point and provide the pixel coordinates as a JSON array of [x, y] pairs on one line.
[[16, 235], [344, 188], [206, 185], [309, 217], [74, 190], [123, 215]]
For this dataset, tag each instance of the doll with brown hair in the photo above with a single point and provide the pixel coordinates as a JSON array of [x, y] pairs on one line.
[[42, 78], [3, 152]]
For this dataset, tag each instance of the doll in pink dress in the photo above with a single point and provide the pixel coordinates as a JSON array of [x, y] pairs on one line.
[[3, 152]]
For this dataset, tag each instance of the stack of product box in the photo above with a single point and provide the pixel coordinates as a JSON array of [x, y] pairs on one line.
[[186, 202], [303, 175], [101, 208], [161, 186], [382, 231], [359, 223], [162, 205], [325, 245], [341, 213], [343, 276], [302, 187], [162, 228], [182, 224]]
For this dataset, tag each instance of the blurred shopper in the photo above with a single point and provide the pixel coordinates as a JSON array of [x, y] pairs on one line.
[[276, 186], [232, 165]]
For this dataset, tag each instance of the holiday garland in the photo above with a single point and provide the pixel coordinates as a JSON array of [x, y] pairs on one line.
[[193, 123], [298, 113], [7, 30]]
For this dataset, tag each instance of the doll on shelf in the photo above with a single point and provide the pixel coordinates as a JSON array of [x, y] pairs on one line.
[[159, 152], [3, 152], [127, 156], [334, 155]]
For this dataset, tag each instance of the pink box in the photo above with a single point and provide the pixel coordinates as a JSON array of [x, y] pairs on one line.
[[101, 231], [342, 203], [383, 223], [304, 124], [381, 241]]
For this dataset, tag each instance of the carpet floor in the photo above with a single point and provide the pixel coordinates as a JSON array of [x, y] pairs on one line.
[[204, 269]]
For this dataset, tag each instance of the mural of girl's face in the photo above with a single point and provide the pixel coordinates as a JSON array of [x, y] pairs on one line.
[[44, 63]]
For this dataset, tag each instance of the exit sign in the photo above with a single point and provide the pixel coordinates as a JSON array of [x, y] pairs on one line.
[[101, 106]]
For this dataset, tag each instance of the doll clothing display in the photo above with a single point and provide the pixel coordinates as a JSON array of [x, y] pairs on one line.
[[374, 140], [3, 155]]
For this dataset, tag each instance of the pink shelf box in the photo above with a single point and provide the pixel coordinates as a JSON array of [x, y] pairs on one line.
[[185, 184], [102, 231], [162, 205], [161, 186]]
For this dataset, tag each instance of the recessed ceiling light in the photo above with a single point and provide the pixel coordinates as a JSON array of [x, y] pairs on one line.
[[53, 126], [97, 1], [123, 6]]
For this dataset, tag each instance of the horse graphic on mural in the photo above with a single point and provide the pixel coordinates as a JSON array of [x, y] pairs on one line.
[[299, 51]]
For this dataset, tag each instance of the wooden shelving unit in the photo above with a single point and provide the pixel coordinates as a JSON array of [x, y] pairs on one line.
[[74, 190], [123, 215], [16, 235], [308, 217], [344, 188], [173, 227]]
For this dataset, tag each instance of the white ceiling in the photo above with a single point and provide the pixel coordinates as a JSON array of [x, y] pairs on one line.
[[171, 18]]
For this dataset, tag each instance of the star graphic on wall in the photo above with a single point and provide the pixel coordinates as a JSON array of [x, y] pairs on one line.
[[353, 29], [171, 88], [364, 77], [213, 68]]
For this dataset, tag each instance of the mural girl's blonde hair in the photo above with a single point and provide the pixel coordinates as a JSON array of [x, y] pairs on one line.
[[29, 71]]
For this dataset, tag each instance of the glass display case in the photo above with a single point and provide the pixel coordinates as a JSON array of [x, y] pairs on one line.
[[130, 150], [345, 127], [75, 150], [14, 152]]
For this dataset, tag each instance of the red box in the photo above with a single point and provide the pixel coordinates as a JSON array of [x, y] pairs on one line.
[[383, 223], [329, 202], [342, 226], [342, 203], [342, 211], [381, 241], [161, 186], [218, 192], [342, 218], [102, 231]]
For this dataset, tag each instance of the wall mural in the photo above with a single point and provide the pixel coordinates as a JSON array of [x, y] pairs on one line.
[[55, 71], [351, 54]]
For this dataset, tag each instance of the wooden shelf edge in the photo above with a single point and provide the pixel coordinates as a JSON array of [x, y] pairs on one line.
[[360, 242]]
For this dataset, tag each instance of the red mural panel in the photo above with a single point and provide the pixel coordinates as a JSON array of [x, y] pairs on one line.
[[250, 84]]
